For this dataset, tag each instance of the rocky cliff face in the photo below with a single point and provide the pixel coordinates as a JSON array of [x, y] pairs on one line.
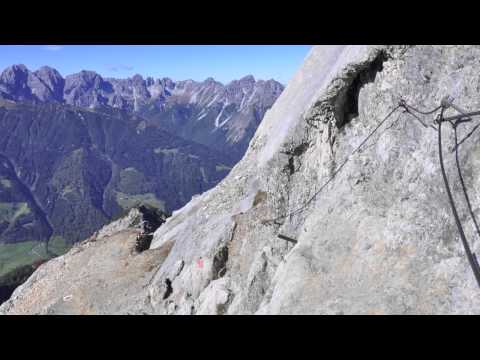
[[18, 83], [223, 117], [379, 239]]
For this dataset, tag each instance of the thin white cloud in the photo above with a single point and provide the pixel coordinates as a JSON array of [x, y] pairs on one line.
[[117, 68], [53, 47]]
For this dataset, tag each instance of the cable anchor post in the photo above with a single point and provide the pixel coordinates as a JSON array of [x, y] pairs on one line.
[[447, 101], [403, 104]]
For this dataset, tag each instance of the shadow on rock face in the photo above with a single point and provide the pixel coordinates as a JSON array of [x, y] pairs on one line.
[[6, 292], [152, 219]]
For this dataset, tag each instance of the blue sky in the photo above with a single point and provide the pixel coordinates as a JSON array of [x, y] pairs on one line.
[[179, 62]]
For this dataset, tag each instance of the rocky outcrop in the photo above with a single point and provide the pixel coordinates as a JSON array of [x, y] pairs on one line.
[[379, 239], [87, 89], [121, 266], [19, 84]]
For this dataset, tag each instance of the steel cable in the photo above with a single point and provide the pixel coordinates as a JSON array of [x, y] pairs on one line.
[[464, 188], [471, 257], [337, 170], [419, 111]]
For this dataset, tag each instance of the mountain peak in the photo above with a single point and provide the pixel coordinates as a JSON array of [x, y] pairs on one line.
[[14, 71], [48, 70], [210, 80], [247, 79], [19, 67], [137, 78]]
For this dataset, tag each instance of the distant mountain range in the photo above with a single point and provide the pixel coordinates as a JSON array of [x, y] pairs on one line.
[[224, 117]]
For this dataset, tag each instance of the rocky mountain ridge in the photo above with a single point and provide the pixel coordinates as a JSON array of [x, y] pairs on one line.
[[223, 117], [89, 89]]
